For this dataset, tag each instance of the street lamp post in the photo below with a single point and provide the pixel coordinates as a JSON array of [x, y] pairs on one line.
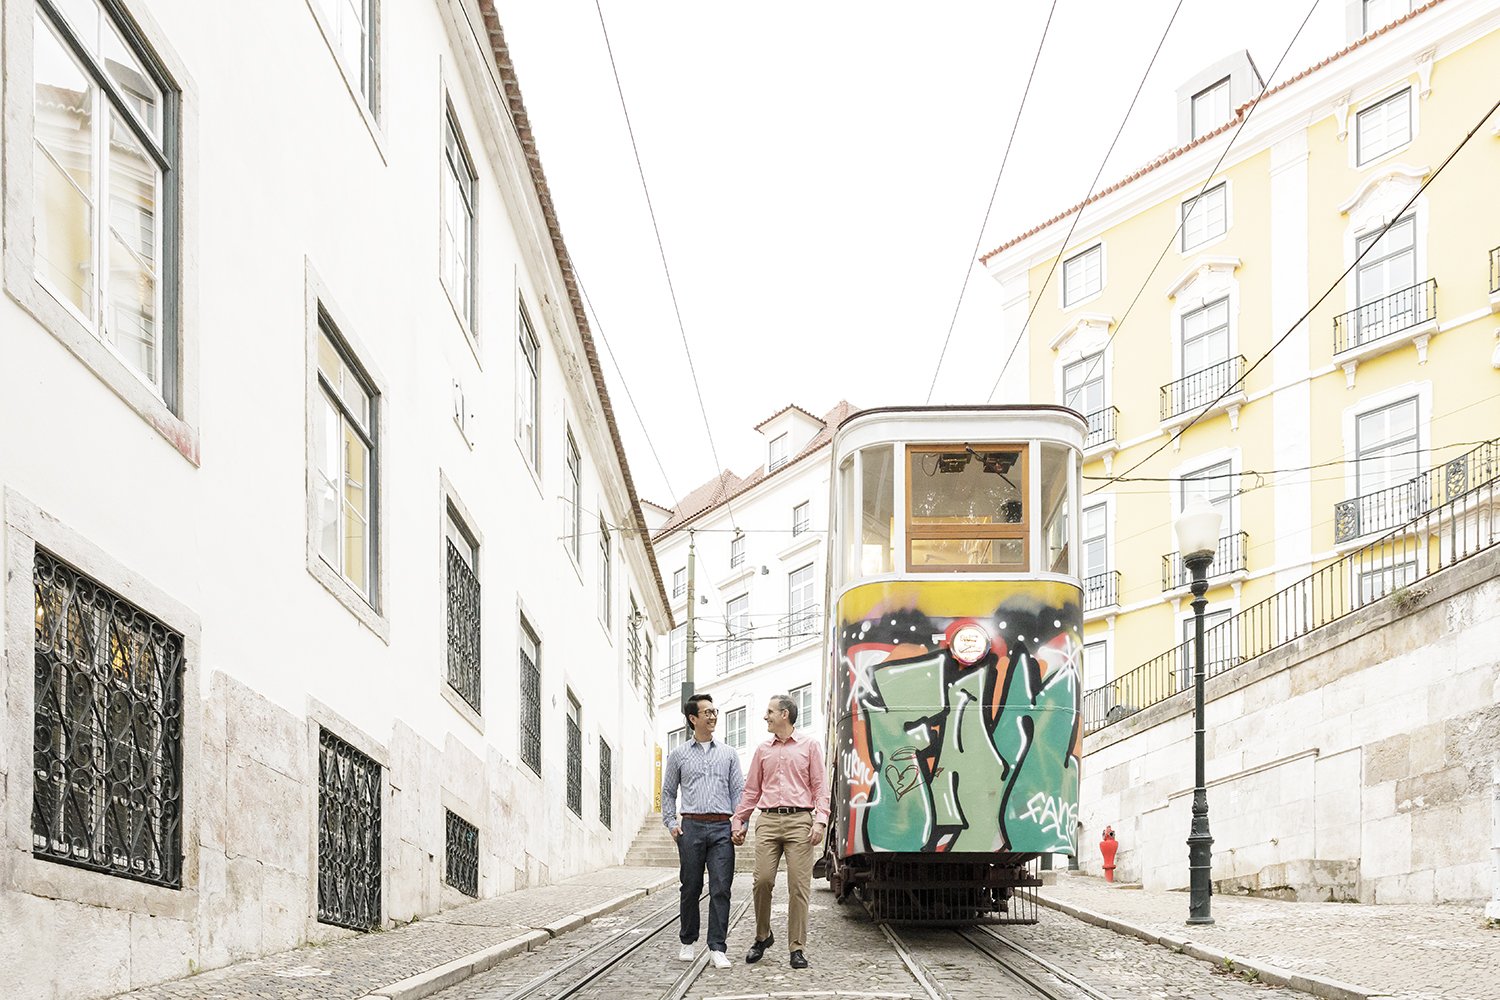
[[1197, 539]]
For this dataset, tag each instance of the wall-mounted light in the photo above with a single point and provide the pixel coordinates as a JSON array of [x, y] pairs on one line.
[[765, 571]]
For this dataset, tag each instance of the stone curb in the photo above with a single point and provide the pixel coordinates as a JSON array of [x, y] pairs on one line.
[[1318, 986], [424, 984]]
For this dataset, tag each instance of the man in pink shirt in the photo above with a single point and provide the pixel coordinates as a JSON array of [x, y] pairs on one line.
[[789, 786]]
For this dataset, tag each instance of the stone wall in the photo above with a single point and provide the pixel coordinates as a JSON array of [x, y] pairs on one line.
[[1353, 764]]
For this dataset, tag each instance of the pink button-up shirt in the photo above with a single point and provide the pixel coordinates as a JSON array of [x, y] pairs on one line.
[[788, 771]]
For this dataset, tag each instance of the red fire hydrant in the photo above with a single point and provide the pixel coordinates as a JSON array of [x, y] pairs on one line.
[[1107, 847]]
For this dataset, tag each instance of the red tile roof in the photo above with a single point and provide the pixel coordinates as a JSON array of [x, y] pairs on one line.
[[1239, 114], [789, 406]]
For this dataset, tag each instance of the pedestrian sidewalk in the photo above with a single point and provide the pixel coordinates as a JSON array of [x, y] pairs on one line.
[[1344, 951], [417, 959]]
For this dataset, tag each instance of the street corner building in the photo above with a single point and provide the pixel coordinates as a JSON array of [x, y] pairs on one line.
[[328, 597], [1292, 314]]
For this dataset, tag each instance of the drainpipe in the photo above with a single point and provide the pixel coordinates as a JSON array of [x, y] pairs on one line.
[[1492, 908]]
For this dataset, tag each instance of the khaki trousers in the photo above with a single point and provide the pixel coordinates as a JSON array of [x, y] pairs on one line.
[[780, 835]]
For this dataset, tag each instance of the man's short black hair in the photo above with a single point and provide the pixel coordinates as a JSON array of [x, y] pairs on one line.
[[691, 707], [787, 702]]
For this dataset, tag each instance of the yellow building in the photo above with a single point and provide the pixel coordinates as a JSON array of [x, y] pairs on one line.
[[1343, 431]]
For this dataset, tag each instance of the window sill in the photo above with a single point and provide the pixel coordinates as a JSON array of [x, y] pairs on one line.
[[1102, 612], [1234, 578], [1495, 301], [737, 575], [343, 592], [1417, 335], [464, 326], [463, 708], [805, 542]]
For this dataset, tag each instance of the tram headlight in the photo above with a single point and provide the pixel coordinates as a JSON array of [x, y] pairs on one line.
[[969, 644]]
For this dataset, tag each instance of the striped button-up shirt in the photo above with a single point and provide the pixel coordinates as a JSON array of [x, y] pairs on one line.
[[708, 777], [788, 771]]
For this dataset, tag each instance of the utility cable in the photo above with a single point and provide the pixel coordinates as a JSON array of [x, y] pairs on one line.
[[979, 237], [1396, 217], [719, 470], [1083, 204]]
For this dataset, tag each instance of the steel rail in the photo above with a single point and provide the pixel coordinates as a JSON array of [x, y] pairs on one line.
[[914, 965], [678, 990], [1015, 969], [551, 974]]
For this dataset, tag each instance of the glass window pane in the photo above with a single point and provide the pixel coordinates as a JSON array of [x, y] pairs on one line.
[[879, 514], [133, 300], [999, 554], [849, 518], [356, 509], [65, 171], [326, 457], [969, 486], [135, 85], [1057, 469]]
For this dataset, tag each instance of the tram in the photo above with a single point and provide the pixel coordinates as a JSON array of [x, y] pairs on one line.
[[954, 652]]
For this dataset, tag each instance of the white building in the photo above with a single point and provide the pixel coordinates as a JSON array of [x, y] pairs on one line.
[[759, 545], [323, 608]]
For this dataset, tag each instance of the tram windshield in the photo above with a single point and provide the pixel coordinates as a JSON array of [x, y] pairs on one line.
[[966, 507]]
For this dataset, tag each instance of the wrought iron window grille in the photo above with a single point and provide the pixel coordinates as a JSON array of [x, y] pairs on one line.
[[1101, 427], [1495, 271], [606, 784], [349, 863], [531, 714], [1101, 590], [575, 767], [462, 855], [107, 745], [463, 628]]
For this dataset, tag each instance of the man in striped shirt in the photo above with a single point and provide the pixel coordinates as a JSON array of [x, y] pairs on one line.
[[706, 774]]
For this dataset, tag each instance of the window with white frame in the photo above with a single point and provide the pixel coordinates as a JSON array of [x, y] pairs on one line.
[[737, 551], [633, 636], [457, 251], [801, 517], [1383, 126], [1218, 647], [1379, 13], [1214, 484], [1391, 265], [676, 738], [345, 463], [1083, 275], [677, 655], [1095, 665], [573, 526], [1387, 452], [1095, 561], [528, 385], [737, 631], [1210, 107], [778, 452], [106, 185], [1380, 581], [1083, 385], [1205, 341], [679, 582], [352, 27], [802, 612], [606, 557], [1205, 217], [804, 699], [734, 728]]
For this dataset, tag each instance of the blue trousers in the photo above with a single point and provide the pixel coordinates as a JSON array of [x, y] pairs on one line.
[[705, 844]]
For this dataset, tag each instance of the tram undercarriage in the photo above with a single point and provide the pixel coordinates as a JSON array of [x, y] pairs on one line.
[[933, 890]]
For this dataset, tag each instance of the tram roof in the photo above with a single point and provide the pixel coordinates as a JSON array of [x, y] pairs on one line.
[[960, 423]]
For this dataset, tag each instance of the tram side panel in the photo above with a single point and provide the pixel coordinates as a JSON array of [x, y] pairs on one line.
[[935, 755]]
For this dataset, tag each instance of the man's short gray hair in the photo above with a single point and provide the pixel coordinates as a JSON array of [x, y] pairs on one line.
[[787, 702]]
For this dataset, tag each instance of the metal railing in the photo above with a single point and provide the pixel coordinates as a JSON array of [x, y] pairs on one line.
[[1389, 567], [1386, 316], [803, 625], [1101, 426], [1495, 271], [1102, 590], [1229, 557], [1201, 387], [1395, 505], [734, 652]]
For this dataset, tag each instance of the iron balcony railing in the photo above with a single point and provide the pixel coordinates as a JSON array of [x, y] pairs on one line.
[[1101, 427], [1102, 590], [1387, 508], [802, 625], [1229, 557], [734, 651], [1389, 567], [1200, 388], [1495, 271], [1383, 317]]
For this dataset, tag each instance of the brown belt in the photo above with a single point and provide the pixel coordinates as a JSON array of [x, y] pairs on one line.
[[708, 817]]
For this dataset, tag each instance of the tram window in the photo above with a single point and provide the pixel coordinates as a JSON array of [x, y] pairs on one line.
[[1057, 468], [848, 518], [966, 507], [878, 493]]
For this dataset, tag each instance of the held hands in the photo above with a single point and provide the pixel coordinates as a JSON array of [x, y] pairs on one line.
[[815, 835], [738, 837], [676, 833]]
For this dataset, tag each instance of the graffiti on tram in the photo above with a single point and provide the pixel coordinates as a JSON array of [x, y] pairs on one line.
[[938, 755]]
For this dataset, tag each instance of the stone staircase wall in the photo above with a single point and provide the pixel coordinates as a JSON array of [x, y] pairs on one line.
[[654, 847]]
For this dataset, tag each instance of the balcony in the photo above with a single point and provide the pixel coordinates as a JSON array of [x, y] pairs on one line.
[[1101, 591], [734, 653], [1229, 560], [1495, 280], [1387, 509], [1405, 317], [1181, 400], [1101, 428], [799, 627]]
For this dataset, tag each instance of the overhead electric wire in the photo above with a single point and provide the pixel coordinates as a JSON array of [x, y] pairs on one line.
[[1084, 203], [979, 237], [1396, 217], [719, 470], [1192, 203]]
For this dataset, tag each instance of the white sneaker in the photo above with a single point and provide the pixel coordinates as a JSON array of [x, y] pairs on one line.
[[685, 953], [720, 960]]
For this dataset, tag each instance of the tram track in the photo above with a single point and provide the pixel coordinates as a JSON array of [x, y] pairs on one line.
[[1023, 967]]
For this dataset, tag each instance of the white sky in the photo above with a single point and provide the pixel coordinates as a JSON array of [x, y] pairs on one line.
[[820, 170]]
